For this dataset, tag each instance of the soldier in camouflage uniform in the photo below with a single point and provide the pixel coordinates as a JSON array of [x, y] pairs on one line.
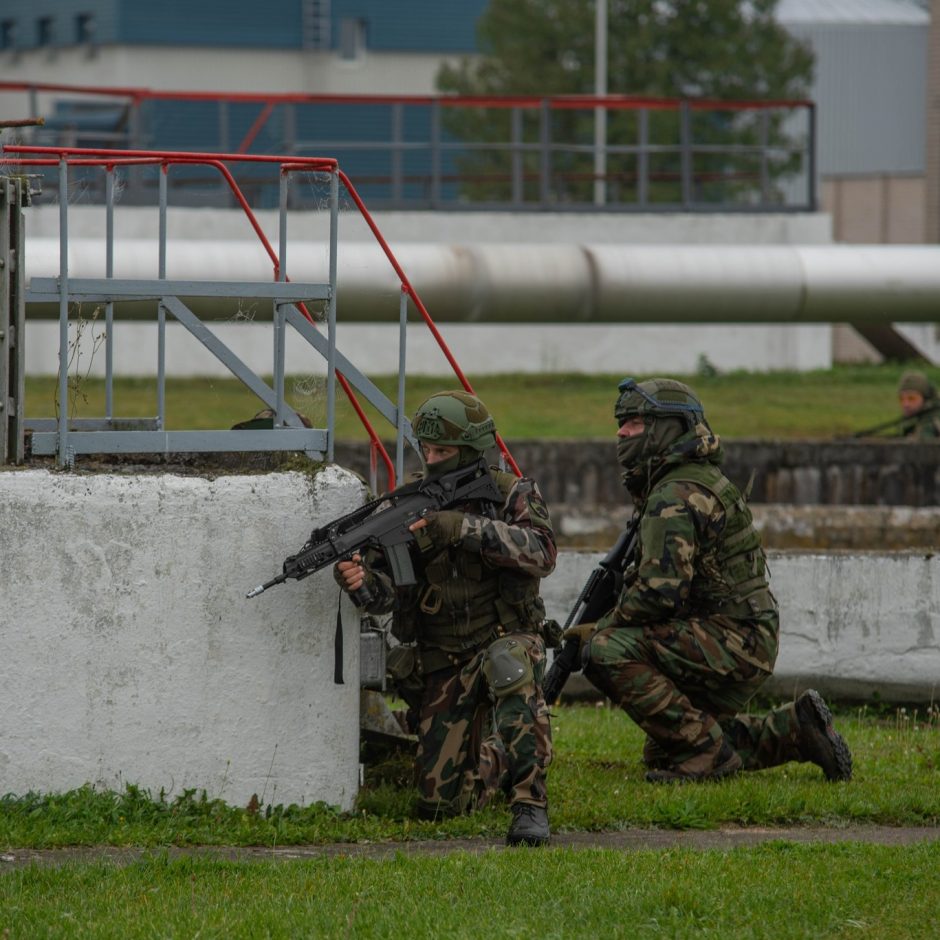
[[473, 654], [920, 407], [694, 632]]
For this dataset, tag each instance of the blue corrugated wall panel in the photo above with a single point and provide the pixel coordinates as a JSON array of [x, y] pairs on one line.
[[447, 26], [413, 25], [271, 24]]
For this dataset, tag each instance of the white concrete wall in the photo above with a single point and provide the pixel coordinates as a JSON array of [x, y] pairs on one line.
[[216, 69], [851, 624], [129, 653]]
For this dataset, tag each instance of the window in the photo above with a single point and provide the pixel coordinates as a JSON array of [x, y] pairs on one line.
[[7, 34], [44, 30], [352, 38], [84, 28]]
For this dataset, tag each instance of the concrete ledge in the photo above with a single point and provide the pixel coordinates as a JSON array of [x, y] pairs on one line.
[[129, 653], [852, 625]]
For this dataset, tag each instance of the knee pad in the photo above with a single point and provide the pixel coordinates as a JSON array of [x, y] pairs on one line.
[[507, 667]]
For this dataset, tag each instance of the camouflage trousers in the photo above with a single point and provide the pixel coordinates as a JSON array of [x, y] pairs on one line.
[[686, 683], [473, 740]]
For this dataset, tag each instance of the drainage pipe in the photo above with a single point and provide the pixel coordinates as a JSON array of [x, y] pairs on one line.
[[544, 283]]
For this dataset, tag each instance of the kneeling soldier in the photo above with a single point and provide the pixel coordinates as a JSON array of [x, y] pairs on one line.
[[472, 632], [695, 629]]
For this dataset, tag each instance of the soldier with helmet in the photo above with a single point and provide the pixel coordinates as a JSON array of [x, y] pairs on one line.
[[920, 407], [472, 631], [694, 631]]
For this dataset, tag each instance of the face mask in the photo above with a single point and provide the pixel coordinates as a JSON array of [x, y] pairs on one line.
[[443, 466], [631, 450]]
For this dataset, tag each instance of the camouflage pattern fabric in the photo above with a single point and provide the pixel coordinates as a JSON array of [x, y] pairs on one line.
[[468, 737], [683, 564], [924, 426], [521, 538], [694, 633], [686, 682], [469, 747]]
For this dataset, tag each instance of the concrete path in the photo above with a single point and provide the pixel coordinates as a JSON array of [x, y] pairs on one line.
[[626, 840]]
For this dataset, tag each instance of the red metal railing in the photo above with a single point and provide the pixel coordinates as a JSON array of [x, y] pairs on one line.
[[570, 180]]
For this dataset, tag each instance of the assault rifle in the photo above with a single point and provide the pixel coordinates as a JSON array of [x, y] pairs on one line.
[[903, 423], [597, 597], [384, 524]]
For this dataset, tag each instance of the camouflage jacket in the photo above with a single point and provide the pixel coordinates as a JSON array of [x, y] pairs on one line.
[[697, 554], [463, 588], [923, 426]]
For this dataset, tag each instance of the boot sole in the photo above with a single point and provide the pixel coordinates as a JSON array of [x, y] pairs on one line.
[[818, 712]]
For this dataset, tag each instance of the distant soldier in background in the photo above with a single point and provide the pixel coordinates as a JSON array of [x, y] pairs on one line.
[[472, 631], [920, 407], [694, 632]]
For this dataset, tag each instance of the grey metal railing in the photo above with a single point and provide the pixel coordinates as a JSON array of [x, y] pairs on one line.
[[14, 196], [67, 437]]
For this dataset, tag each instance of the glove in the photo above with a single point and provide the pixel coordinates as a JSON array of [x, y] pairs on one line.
[[582, 632], [443, 527]]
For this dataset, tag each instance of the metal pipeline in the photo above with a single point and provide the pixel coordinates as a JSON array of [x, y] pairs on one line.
[[546, 283]]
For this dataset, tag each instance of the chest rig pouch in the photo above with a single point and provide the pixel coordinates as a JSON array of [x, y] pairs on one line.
[[465, 601], [733, 571]]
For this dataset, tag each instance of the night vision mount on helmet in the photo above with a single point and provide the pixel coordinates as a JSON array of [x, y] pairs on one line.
[[455, 419]]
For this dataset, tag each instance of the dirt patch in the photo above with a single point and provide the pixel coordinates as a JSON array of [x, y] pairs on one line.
[[627, 840]]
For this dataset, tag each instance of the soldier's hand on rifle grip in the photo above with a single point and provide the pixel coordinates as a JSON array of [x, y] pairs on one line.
[[352, 574], [352, 578], [441, 527], [581, 632]]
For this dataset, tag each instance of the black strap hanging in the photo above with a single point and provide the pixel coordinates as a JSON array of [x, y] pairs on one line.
[[338, 643]]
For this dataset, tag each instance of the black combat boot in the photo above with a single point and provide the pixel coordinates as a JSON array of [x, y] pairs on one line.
[[654, 757], [529, 825], [726, 763], [819, 742]]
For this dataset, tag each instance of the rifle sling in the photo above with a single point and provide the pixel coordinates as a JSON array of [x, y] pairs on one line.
[[338, 642]]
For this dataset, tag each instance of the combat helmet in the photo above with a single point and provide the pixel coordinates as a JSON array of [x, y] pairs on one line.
[[669, 411], [657, 398], [455, 419], [914, 381]]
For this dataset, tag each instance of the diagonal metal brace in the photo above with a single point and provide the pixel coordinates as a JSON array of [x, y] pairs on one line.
[[225, 355]]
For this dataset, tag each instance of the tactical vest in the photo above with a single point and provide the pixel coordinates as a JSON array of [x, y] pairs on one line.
[[731, 575], [464, 602]]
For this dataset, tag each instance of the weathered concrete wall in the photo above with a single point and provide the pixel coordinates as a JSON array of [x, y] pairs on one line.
[[852, 625], [129, 653], [873, 472]]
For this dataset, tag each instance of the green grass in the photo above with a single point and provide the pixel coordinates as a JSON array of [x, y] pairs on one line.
[[780, 889], [777, 890], [596, 783], [821, 404]]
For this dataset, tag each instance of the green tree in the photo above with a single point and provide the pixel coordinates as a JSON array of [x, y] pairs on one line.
[[727, 50]]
